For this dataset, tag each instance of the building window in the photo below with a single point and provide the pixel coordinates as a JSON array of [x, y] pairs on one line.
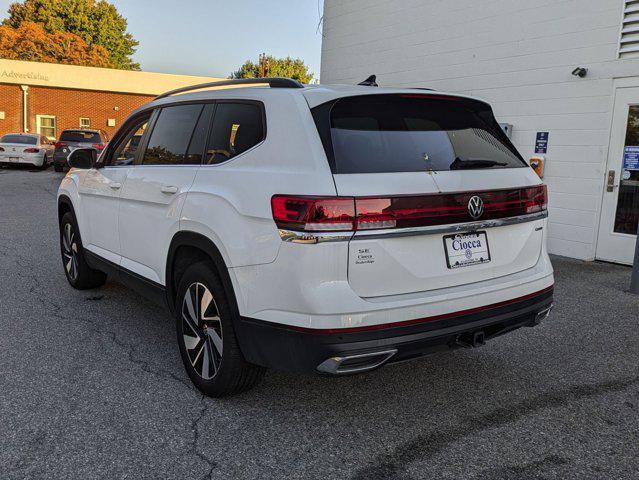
[[85, 123], [46, 126]]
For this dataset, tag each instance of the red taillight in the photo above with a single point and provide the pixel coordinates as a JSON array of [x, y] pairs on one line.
[[536, 199], [31, 150], [431, 97], [313, 214], [60, 144], [325, 214], [375, 213], [98, 146], [413, 211]]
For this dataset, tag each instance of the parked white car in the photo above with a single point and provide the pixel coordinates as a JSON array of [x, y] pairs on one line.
[[17, 148], [328, 229]]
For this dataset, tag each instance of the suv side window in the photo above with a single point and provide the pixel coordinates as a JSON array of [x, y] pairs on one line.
[[172, 135], [125, 150], [198, 140], [236, 128]]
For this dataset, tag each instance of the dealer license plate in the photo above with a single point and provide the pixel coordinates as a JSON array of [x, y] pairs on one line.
[[466, 249]]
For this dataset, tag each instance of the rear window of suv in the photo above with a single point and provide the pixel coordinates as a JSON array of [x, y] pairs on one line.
[[80, 136], [412, 133]]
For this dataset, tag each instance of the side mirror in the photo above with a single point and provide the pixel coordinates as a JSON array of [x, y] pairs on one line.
[[83, 158]]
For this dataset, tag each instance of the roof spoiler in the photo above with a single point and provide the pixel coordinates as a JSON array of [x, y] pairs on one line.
[[273, 82]]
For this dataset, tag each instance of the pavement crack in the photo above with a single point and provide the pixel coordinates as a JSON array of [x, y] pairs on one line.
[[25, 271], [394, 463], [195, 428]]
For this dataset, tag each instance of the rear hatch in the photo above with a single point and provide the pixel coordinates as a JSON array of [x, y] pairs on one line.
[[73, 139], [439, 192]]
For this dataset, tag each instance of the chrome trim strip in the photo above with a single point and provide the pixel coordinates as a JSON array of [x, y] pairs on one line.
[[456, 228], [312, 238]]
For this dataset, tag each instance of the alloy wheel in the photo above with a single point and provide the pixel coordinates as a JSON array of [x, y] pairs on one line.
[[70, 251], [202, 330]]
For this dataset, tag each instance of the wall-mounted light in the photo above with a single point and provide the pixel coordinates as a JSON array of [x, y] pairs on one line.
[[580, 72]]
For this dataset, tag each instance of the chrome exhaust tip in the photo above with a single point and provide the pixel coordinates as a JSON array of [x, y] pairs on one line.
[[355, 363], [542, 315]]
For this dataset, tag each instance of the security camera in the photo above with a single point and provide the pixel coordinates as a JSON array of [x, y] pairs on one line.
[[580, 72]]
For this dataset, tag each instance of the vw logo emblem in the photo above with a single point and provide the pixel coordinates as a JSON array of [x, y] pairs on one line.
[[475, 207]]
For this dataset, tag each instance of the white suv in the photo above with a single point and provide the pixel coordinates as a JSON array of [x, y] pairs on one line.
[[327, 229]]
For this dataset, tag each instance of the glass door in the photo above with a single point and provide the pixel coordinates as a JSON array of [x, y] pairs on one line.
[[627, 214], [620, 207]]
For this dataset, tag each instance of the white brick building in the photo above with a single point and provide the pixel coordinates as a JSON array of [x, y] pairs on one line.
[[519, 55]]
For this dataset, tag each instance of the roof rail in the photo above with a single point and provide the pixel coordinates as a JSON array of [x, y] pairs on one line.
[[273, 82]]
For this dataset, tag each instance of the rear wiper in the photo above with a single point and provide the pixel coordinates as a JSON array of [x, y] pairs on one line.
[[472, 163]]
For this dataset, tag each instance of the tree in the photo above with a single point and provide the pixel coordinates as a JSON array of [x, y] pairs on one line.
[[31, 43], [97, 22], [277, 67]]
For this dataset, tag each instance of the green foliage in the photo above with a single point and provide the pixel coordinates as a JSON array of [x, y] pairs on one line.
[[278, 67], [95, 22]]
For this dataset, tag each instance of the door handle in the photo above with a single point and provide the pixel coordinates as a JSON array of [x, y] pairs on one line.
[[170, 189], [610, 186], [115, 185]]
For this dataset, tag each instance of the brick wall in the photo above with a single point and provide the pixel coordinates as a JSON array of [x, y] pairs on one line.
[[11, 105], [68, 106]]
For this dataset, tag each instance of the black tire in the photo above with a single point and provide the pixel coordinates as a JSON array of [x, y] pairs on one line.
[[57, 167], [45, 164], [76, 269], [226, 372]]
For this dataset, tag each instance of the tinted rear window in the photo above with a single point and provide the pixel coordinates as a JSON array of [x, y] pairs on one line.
[[81, 137], [237, 127], [22, 139], [413, 133]]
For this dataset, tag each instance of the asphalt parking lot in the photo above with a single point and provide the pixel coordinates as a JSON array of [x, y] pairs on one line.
[[91, 386]]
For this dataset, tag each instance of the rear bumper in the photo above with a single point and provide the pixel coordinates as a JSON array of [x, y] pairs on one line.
[[35, 160], [60, 159], [323, 350]]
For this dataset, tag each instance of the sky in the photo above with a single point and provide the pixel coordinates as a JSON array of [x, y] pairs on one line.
[[213, 38]]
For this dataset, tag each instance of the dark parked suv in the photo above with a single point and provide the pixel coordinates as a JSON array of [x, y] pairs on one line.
[[77, 138]]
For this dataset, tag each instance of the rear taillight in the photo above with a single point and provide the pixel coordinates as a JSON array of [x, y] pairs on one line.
[[374, 213], [536, 199], [1, 149], [330, 214], [31, 150], [313, 214], [98, 146], [60, 144]]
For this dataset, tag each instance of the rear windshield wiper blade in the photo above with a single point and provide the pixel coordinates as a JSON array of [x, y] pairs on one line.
[[472, 163]]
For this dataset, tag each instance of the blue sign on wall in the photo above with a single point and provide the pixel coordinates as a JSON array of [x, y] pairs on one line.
[[541, 144], [631, 158]]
